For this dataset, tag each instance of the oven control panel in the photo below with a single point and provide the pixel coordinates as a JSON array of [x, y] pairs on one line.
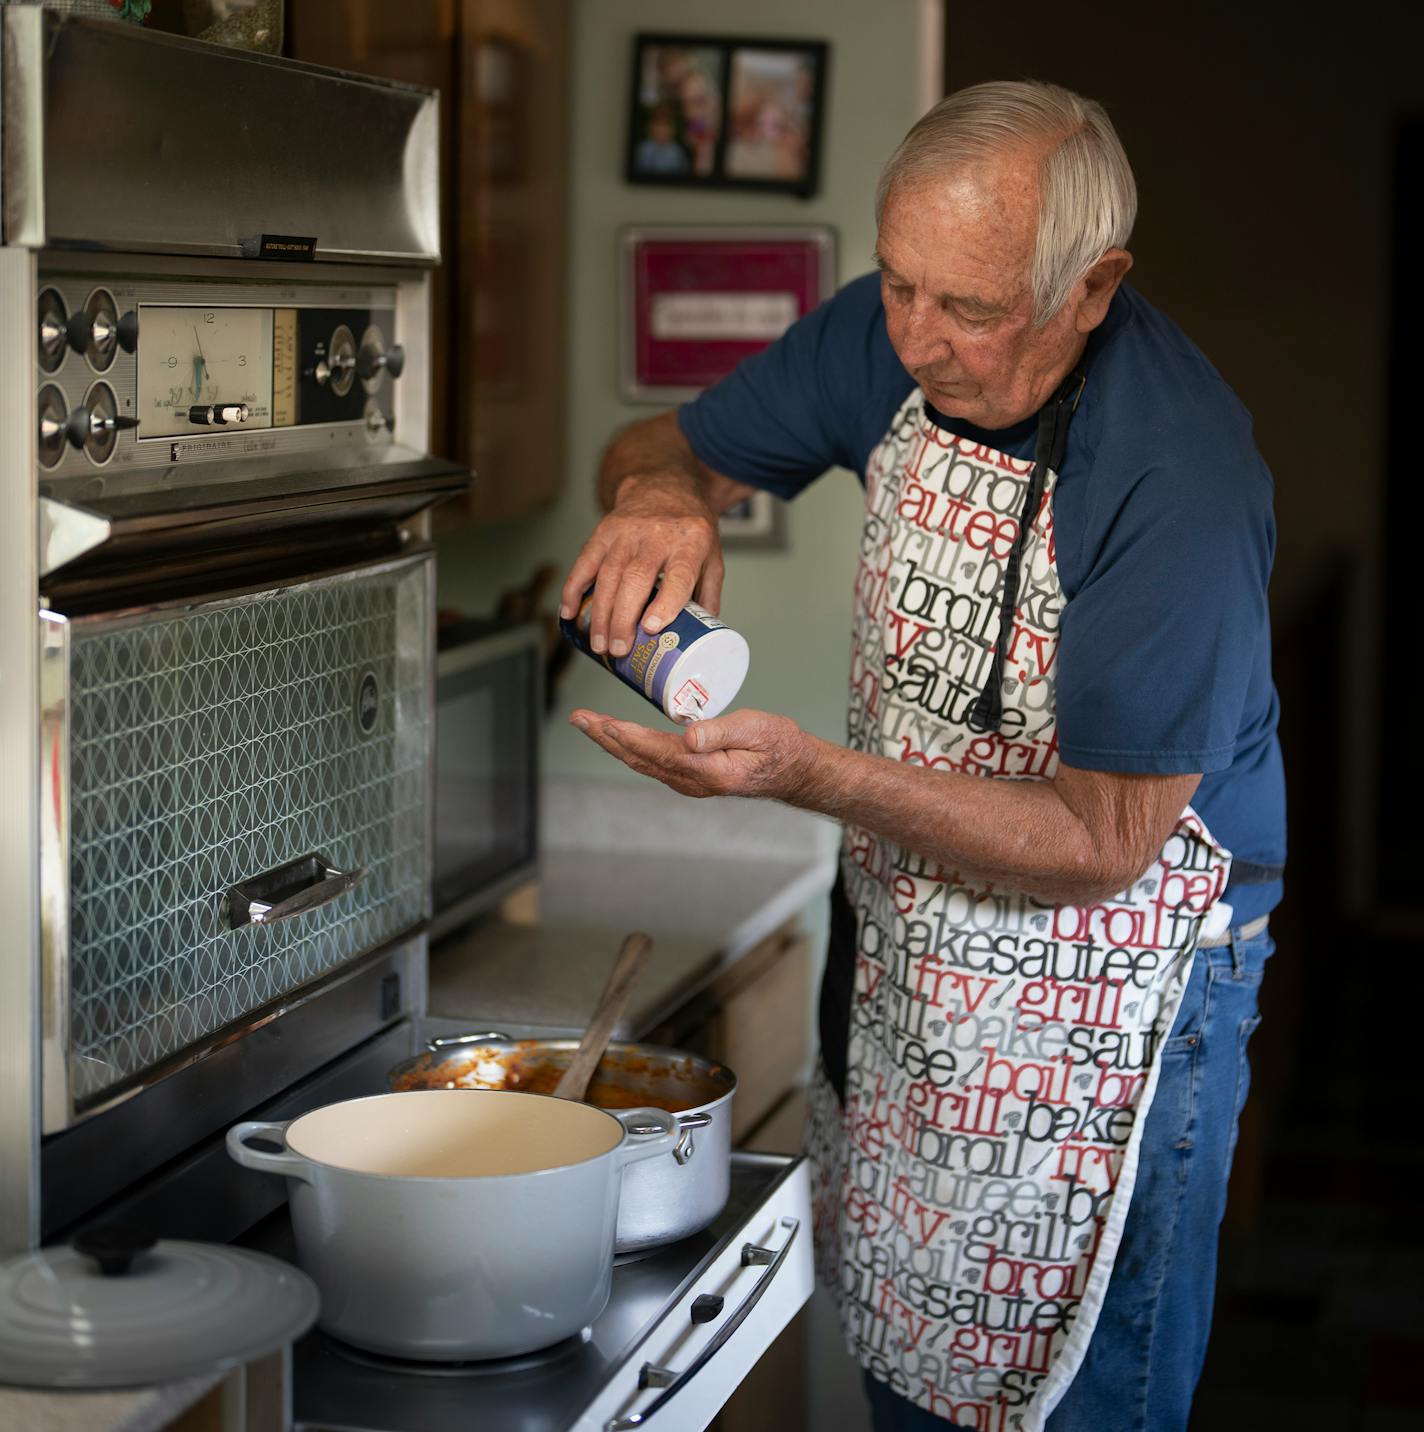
[[134, 374]]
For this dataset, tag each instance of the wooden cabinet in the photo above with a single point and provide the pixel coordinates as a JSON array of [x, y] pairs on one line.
[[498, 321], [755, 1018]]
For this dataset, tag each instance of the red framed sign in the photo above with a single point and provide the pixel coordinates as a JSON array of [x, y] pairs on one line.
[[697, 301]]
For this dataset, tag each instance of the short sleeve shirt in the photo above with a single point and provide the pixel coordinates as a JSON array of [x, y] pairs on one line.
[[1164, 532]]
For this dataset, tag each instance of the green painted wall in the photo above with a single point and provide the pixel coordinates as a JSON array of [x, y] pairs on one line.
[[794, 605]]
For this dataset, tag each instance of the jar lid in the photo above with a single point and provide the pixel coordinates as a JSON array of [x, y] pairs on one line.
[[119, 1311]]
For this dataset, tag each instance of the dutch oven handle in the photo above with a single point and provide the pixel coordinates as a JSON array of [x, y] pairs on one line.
[[286, 1163], [650, 1132]]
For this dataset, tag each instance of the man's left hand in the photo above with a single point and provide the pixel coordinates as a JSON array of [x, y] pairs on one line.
[[746, 753]]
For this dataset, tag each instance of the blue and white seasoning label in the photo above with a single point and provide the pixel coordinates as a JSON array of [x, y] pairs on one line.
[[690, 670]]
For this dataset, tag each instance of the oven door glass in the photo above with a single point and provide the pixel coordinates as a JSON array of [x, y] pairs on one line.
[[485, 774], [248, 793]]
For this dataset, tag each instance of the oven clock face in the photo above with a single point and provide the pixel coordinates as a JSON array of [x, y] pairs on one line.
[[198, 358]]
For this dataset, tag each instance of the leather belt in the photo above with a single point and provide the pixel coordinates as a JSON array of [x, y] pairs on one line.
[[1248, 931]]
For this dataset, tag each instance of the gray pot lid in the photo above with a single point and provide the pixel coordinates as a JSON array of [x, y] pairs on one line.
[[127, 1313]]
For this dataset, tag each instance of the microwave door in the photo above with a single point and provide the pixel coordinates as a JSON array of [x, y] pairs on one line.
[[485, 781]]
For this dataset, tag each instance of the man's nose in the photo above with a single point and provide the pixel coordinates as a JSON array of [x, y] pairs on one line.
[[922, 338]]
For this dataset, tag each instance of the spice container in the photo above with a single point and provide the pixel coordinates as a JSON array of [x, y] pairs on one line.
[[691, 670]]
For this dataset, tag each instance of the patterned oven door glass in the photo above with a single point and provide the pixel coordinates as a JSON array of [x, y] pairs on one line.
[[215, 743]]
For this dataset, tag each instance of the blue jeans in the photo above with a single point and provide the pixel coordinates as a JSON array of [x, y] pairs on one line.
[[1148, 1348]]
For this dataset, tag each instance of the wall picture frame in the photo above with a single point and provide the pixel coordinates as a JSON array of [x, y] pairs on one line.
[[759, 522], [725, 112], [695, 301]]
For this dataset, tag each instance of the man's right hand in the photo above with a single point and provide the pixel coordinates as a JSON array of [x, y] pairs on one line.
[[662, 522]]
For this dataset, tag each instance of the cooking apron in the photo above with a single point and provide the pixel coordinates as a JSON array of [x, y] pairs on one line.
[[971, 1191]]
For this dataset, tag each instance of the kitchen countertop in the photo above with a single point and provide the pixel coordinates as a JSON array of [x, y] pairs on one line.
[[707, 880]]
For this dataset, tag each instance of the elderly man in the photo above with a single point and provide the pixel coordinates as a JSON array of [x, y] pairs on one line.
[[1062, 790]]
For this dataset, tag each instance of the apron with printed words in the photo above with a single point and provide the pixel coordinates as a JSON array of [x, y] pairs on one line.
[[1003, 1052]]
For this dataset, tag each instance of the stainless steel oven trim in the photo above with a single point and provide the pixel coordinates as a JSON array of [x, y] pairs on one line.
[[55, 1097], [19, 740], [386, 138], [128, 616], [59, 1111]]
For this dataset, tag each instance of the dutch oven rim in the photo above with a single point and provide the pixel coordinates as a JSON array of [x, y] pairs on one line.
[[446, 1180]]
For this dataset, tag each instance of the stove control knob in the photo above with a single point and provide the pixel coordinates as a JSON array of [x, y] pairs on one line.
[[85, 424], [94, 330], [78, 330], [53, 330], [371, 360], [94, 425], [128, 331], [53, 425]]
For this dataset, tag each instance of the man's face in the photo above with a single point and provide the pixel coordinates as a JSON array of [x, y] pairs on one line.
[[955, 254]]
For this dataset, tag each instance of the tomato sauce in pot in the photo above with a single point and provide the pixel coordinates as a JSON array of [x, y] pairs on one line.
[[623, 1080]]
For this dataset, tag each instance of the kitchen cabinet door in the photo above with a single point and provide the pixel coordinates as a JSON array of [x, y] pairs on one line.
[[497, 307]]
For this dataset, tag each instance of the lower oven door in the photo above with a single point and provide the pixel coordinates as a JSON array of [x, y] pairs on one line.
[[235, 803]]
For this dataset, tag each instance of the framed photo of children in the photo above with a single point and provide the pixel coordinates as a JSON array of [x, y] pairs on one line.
[[710, 112]]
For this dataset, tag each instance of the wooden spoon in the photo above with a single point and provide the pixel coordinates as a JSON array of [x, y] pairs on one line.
[[636, 951]]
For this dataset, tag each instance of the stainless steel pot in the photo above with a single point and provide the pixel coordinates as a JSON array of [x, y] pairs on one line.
[[447, 1227], [663, 1199]]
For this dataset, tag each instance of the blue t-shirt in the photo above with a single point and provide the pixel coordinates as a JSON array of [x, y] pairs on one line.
[[1164, 535]]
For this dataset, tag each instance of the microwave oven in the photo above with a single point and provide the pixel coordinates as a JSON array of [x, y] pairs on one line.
[[489, 703]]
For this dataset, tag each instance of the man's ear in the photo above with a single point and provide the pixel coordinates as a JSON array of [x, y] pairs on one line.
[[1099, 284]]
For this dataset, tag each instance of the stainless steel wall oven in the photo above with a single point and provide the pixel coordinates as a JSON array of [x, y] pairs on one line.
[[217, 661]]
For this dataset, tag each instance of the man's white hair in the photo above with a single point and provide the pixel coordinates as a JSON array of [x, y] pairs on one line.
[[1087, 198]]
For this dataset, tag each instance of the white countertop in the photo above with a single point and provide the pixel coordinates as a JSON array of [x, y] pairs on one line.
[[708, 880]]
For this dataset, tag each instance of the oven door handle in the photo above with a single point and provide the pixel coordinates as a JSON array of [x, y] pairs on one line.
[[673, 1382], [300, 885]]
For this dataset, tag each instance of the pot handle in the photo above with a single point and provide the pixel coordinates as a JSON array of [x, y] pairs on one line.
[[650, 1131], [286, 1163], [684, 1148], [452, 1041]]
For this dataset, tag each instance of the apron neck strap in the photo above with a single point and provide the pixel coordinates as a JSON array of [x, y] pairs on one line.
[[987, 713]]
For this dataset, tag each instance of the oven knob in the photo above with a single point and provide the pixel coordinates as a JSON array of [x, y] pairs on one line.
[[78, 330], [54, 330], [94, 425], [128, 331], [94, 331], [340, 361], [377, 422], [371, 360], [53, 425]]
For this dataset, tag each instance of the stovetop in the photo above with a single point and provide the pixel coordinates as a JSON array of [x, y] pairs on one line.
[[340, 1389]]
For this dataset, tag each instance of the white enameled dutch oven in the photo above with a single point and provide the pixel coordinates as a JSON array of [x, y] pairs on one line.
[[662, 1201], [454, 1224]]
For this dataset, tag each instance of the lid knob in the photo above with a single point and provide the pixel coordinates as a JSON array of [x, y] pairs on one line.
[[113, 1249]]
